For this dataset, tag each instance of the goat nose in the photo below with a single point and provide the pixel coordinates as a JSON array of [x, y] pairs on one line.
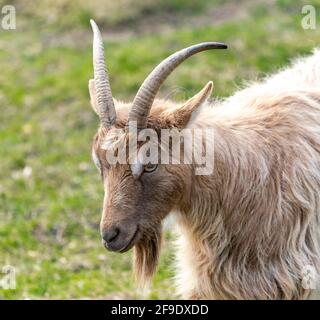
[[110, 235]]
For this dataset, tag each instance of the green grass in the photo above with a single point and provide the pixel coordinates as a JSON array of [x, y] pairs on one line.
[[49, 218]]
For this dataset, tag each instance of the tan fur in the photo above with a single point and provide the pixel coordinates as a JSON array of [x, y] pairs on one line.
[[248, 230]]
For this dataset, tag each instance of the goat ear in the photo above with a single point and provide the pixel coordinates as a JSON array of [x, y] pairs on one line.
[[93, 97], [182, 115]]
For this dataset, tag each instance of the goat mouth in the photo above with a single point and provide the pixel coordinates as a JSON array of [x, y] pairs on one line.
[[131, 242]]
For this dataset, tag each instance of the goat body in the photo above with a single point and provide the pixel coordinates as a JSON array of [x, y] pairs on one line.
[[250, 229]]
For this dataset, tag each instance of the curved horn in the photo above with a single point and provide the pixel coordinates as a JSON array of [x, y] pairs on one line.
[[144, 98], [107, 112]]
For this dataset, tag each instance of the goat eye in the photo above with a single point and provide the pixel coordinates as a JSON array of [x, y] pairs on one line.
[[150, 167]]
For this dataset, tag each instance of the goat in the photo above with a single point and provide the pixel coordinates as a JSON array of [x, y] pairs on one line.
[[248, 229]]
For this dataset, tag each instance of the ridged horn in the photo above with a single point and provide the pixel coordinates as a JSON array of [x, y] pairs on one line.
[[146, 94], [106, 109]]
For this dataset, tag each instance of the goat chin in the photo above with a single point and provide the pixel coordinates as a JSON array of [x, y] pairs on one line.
[[146, 256]]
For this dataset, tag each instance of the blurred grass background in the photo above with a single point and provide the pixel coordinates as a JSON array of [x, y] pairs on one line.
[[50, 193]]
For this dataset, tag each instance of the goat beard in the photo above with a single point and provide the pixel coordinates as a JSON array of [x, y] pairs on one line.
[[146, 255]]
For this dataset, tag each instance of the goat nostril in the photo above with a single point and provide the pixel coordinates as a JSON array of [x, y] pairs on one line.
[[110, 235]]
